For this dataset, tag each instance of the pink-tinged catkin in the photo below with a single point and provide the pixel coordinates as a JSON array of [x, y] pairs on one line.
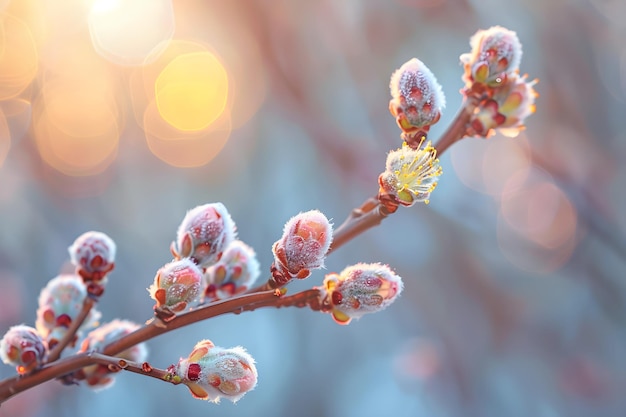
[[93, 254], [23, 347], [417, 99], [361, 289], [203, 234], [60, 302], [495, 56], [211, 372], [100, 376], [410, 175], [235, 272], [303, 246], [177, 285], [506, 110]]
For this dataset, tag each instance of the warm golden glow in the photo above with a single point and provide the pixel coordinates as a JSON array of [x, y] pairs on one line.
[[142, 80], [18, 56], [184, 148], [128, 32], [191, 91], [541, 213], [487, 165], [5, 138], [18, 113], [76, 129], [537, 226], [240, 52], [504, 159]]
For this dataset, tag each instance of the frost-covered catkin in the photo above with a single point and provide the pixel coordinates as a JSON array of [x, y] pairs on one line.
[[504, 99], [495, 56], [361, 289], [100, 376], [235, 272], [23, 347], [60, 302], [506, 110], [93, 254], [212, 372], [303, 246], [203, 234], [177, 285], [417, 98]]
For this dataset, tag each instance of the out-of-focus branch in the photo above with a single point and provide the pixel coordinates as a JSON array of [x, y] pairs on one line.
[[69, 336]]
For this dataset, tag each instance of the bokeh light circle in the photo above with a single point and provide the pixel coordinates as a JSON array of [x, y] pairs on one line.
[[184, 149], [192, 90], [131, 32], [18, 57], [76, 129], [18, 113], [487, 165], [537, 224]]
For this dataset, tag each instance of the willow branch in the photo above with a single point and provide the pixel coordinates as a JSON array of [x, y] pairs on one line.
[[11, 386], [247, 302], [370, 214]]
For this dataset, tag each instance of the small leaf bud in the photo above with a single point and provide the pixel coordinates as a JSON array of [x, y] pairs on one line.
[[93, 254], [23, 347], [177, 285], [100, 376], [212, 372], [361, 289], [235, 272], [60, 302], [506, 110], [303, 246], [204, 234], [411, 175], [416, 98], [495, 56]]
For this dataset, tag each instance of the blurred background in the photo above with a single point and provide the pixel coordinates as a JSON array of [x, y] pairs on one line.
[[120, 115]]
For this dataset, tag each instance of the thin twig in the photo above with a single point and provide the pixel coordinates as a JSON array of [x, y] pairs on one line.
[[357, 223], [118, 364], [70, 334], [457, 130]]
